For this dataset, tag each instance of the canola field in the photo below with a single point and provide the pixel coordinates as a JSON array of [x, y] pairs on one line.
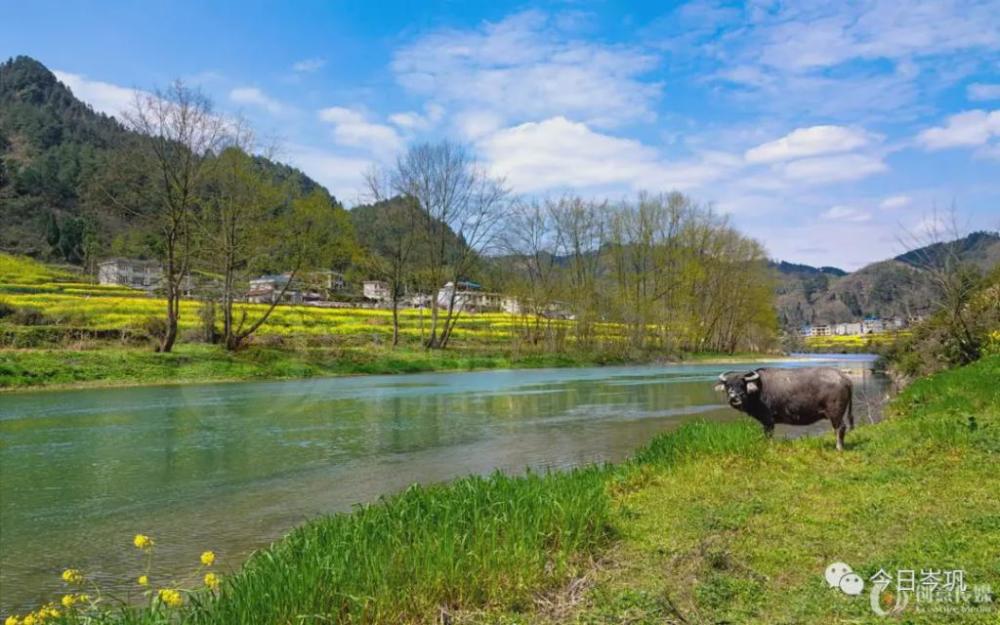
[[68, 299]]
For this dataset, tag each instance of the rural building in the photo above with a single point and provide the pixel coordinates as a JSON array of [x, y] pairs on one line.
[[510, 305], [872, 326], [376, 291], [847, 329], [267, 289], [469, 297], [138, 274]]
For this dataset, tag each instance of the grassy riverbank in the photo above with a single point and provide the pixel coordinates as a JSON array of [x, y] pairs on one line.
[[708, 524], [110, 365]]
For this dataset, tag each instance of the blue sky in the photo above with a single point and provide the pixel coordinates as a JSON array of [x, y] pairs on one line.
[[822, 129]]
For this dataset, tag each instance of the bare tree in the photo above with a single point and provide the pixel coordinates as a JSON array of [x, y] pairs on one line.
[[178, 132], [936, 249], [461, 200], [529, 242], [401, 227]]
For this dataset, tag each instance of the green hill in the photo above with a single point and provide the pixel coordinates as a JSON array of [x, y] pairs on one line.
[[54, 152], [897, 287]]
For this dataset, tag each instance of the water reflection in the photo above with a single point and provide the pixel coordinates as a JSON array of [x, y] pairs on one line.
[[231, 467]]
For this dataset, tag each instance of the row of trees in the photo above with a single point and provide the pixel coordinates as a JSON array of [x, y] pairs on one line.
[[187, 178], [674, 273], [660, 271]]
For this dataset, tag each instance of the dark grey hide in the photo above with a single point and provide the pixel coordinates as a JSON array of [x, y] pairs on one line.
[[792, 396]]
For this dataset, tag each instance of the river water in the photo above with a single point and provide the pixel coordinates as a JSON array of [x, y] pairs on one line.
[[231, 467]]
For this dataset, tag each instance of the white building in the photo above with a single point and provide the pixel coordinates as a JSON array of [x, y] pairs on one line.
[[138, 274], [872, 326], [510, 305], [847, 329], [376, 291], [268, 290], [469, 297]]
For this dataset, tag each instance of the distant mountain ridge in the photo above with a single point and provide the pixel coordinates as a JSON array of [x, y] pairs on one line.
[[896, 287]]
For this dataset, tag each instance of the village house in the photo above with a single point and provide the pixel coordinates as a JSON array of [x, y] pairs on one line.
[[847, 329], [268, 289], [469, 297], [376, 291], [138, 274]]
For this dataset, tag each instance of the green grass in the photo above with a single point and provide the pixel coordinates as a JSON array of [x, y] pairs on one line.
[[709, 524], [109, 365]]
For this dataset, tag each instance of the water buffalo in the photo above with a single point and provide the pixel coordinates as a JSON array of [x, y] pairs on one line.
[[792, 396]]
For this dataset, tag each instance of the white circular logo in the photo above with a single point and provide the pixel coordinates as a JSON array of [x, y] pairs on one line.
[[835, 572], [852, 584]]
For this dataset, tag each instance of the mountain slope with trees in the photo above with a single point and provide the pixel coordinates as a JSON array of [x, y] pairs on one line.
[[897, 287], [58, 165]]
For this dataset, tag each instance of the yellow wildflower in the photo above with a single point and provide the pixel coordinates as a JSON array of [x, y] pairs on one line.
[[207, 558], [48, 611], [143, 580], [12, 620], [68, 601], [141, 541], [72, 576], [29, 619], [212, 581], [171, 598]]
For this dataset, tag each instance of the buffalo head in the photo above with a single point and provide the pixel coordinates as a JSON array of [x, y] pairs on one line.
[[739, 386]]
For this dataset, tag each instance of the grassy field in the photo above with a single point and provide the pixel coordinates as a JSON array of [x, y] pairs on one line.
[[850, 344], [709, 524], [110, 365], [67, 301], [59, 330]]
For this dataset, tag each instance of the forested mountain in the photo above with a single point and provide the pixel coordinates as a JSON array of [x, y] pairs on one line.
[[57, 163], [897, 287]]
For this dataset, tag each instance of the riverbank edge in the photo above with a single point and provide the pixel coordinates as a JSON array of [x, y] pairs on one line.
[[524, 538], [36, 370]]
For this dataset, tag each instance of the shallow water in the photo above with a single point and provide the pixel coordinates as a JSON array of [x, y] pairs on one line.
[[231, 467]]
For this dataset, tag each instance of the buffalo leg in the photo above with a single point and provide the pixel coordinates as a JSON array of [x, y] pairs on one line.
[[840, 436]]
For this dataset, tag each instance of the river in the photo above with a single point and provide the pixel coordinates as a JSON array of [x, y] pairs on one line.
[[231, 467]]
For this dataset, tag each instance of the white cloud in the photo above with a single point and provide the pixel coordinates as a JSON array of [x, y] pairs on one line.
[[845, 213], [982, 91], [411, 120], [557, 153], [342, 175], [351, 128], [102, 96], [306, 66], [895, 201], [827, 169], [810, 141], [255, 97], [527, 66], [965, 129], [476, 124], [828, 58]]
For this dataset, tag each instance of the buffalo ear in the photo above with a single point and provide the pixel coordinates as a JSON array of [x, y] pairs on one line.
[[752, 387], [719, 387]]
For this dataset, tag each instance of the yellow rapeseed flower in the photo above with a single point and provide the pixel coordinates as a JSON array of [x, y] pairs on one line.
[[68, 601], [143, 580], [141, 541], [29, 619], [12, 620], [207, 558], [212, 581], [72, 576], [171, 598]]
